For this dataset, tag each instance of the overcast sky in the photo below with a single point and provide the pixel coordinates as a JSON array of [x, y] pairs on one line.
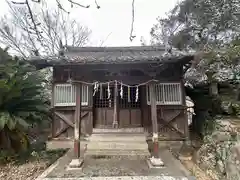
[[111, 23]]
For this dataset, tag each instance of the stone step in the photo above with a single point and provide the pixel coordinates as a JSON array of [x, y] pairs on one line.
[[63, 144], [118, 138], [119, 130], [117, 145], [117, 153]]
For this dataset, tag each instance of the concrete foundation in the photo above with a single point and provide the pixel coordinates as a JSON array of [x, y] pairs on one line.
[[155, 163], [75, 164]]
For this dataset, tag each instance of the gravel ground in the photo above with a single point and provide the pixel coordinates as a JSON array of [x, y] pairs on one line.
[[104, 166], [27, 171], [29, 168], [115, 166]]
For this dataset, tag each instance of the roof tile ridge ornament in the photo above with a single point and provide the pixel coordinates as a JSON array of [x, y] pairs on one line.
[[61, 53], [61, 49]]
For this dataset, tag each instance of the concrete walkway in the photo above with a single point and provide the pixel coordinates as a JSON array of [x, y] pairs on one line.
[[110, 168]]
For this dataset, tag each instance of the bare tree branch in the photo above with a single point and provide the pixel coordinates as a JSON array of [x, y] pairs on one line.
[[103, 41], [78, 4], [97, 4], [21, 3], [60, 6], [33, 21], [131, 32], [54, 25]]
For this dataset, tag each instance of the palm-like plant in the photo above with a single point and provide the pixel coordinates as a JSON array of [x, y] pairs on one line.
[[22, 101]]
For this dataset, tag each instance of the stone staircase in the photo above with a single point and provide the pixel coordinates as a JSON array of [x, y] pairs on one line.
[[117, 144]]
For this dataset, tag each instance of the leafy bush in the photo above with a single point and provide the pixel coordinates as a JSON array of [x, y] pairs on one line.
[[22, 102]]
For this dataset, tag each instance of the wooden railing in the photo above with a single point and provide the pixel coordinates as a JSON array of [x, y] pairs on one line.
[[167, 94], [65, 95]]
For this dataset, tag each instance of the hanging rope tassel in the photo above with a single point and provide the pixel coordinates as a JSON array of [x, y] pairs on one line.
[[101, 91], [121, 91], [136, 99], [129, 95], [108, 90], [96, 85]]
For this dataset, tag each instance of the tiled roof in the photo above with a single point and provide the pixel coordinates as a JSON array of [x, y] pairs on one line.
[[119, 54], [110, 55]]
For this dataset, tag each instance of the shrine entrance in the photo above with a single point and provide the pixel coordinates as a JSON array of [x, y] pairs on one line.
[[117, 106]]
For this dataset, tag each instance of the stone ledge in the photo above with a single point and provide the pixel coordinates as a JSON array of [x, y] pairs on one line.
[[127, 178], [118, 152]]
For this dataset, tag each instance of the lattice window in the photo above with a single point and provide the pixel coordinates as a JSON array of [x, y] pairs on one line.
[[129, 98], [167, 94], [101, 97], [128, 101], [65, 95]]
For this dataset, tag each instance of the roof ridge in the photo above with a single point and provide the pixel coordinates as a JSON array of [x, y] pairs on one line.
[[113, 49]]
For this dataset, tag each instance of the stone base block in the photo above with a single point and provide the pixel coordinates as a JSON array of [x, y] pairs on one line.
[[75, 164], [155, 163]]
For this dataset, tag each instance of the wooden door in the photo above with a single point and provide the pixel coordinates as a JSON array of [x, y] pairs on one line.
[[130, 108], [103, 108]]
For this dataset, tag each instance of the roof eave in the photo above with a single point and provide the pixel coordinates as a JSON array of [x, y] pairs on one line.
[[43, 62]]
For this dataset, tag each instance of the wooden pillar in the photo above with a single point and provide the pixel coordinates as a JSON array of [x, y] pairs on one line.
[[53, 110], [186, 128], [154, 120], [77, 124], [115, 108]]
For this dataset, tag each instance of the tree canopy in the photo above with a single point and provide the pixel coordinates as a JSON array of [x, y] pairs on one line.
[[209, 27], [195, 24]]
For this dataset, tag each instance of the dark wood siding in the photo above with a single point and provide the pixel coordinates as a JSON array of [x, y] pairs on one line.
[[171, 121], [63, 122]]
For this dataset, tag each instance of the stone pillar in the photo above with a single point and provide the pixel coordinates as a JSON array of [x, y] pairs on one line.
[[77, 161]]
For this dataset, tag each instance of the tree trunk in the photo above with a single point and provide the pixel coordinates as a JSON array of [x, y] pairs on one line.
[[213, 88], [5, 142], [238, 92]]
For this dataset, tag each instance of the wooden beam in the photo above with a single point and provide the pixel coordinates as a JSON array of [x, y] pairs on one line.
[[58, 133], [100, 72], [154, 120], [77, 124], [65, 119], [53, 110]]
